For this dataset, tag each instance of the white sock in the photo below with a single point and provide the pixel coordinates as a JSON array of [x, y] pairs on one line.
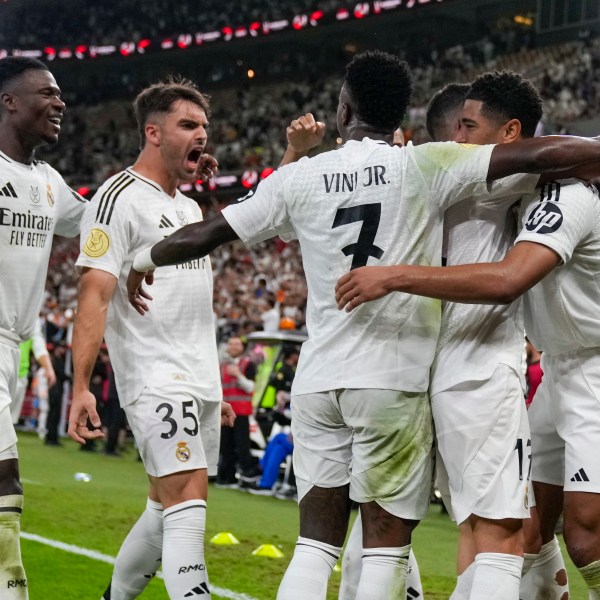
[[414, 587], [308, 572], [591, 576], [13, 581], [383, 574], [183, 566], [139, 556], [547, 577], [497, 576], [464, 583], [351, 562]]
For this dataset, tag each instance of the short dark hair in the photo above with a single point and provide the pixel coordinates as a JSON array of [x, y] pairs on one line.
[[159, 98], [14, 66], [380, 86], [508, 95], [450, 98]]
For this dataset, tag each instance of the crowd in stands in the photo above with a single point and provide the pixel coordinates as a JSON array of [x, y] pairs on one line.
[[100, 23]]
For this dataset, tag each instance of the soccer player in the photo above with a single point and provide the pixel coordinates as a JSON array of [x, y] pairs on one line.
[[555, 260], [360, 392], [35, 203], [166, 367]]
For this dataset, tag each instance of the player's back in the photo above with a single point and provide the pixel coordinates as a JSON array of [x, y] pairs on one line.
[[371, 204]]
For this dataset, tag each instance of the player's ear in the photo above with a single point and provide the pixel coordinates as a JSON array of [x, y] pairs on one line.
[[345, 113], [152, 131], [512, 130], [7, 101]]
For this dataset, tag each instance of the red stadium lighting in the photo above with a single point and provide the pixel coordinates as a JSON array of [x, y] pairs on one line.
[[142, 45], [80, 51], [184, 40], [361, 10], [299, 22], [50, 53], [241, 32], [127, 48], [266, 172], [65, 53], [254, 28], [249, 179], [227, 33], [342, 14], [316, 17], [83, 190], [167, 44]]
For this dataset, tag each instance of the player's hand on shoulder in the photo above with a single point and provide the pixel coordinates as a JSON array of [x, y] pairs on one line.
[[136, 294], [207, 167], [83, 414], [227, 415], [361, 285], [304, 133]]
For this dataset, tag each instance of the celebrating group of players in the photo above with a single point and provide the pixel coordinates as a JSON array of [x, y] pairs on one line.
[[384, 362]]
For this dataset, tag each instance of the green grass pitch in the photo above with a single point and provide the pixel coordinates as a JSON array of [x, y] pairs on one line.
[[96, 515]]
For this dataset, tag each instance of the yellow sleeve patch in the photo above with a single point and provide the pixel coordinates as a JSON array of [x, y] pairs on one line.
[[97, 244]]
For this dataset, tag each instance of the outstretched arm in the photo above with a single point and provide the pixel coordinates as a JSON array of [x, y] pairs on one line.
[[481, 283], [562, 155], [189, 242], [95, 291], [303, 134]]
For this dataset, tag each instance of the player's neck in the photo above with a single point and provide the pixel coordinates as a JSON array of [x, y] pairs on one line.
[[360, 132], [15, 148], [152, 167]]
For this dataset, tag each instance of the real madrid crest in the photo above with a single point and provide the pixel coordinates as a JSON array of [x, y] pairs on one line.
[[34, 194], [49, 194], [183, 452], [182, 218]]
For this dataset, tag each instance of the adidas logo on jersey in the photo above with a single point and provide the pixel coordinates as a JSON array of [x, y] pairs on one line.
[[198, 591], [164, 222], [8, 190], [581, 475], [412, 594]]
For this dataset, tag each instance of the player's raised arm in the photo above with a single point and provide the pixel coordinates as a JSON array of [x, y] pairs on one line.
[[303, 134]]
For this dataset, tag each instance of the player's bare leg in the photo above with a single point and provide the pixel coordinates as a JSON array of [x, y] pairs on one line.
[[324, 518], [582, 536], [13, 581], [546, 576]]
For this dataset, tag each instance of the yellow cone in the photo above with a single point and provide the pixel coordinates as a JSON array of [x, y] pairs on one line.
[[224, 538], [268, 550]]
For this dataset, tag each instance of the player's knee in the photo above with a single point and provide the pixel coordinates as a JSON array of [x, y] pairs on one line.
[[383, 529], [582, 541]]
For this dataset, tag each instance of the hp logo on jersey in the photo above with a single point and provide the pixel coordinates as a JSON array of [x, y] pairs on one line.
[[546, 218]]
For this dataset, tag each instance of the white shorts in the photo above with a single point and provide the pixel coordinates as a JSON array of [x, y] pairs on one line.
[[565, 422], [378, 441], [9, 371], [175, 430], [484, 442]]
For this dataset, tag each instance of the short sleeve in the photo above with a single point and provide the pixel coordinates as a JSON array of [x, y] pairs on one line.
[[104, 243], [263, 214], [559, 217], [70, 207]]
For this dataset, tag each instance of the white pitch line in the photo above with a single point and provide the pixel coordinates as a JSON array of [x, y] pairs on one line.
[[94, 555], [30, 481]]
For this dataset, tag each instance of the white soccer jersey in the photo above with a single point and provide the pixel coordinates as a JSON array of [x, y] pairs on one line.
[[35, 203], [365, 203], [561, 312], [176, 338], [476, 338]]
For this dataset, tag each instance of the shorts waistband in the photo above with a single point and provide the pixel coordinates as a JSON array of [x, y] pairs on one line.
[[9, 337]]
